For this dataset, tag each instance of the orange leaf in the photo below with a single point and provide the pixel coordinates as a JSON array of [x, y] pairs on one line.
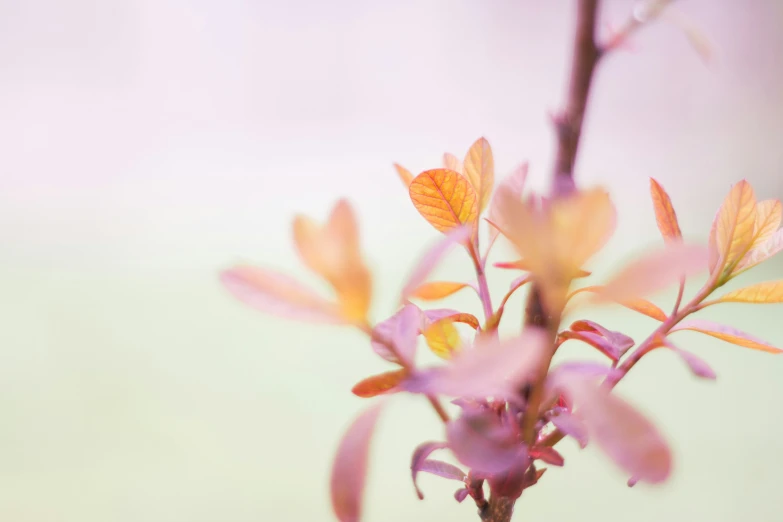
[[405, 176], [451, 162], [520, 264], [480, 171], [437, 290], [645, 307], [332, 251], [768, 292], [640, 305], [513, 184], [769, 214], [761, 253], [443, 338], [728, 334], [468, 319], [735, 225], [556, 240], [379, 384], [445, 198], [664, 212], [767, 239], [278, 294]]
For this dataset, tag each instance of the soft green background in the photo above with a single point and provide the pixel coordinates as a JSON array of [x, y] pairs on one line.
[[147, 144]]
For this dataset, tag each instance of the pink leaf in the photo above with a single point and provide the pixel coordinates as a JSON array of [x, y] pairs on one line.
[[437, 314], [406, 333], [485, 445], [696, 365], [548, 455], [726, 333], [383, 336], [429, 261], [572, 426], [442, 469], [278, 294], [624, 434], [349, 470], [490, 368], [420, 454], [595, 340], [654, 271], [461, 494], [612, 344]]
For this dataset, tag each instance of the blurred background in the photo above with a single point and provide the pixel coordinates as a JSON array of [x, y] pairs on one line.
[[147, 144]]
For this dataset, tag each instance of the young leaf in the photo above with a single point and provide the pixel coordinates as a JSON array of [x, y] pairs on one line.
[[769, 214], [637, 305], [480, 171], [482, 443], [556, 240], [461, 494], [726, 333], [432, 257], [735, 224], [761, 253], [548, 455], [332, 251], [572, 426], [405, 176], [278, 294], [767, 292], [664, 212], [451, 162], [383, 337], [619, 340], [442, 469], [698, 367], [610, 343], [406, 333], [513, 185], [349, 470], [443, 338], [444, 198], [489, 368], [420, 455], [436, 314], [624, 434], [654, 271], [436, 290], [379, 384]]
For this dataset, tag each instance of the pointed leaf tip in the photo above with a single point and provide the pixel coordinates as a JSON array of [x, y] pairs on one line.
[[726, 333], [379, 384], [420, 455], [405, 176], [278, 294], [349, 470], [665, 215], [479, 168]]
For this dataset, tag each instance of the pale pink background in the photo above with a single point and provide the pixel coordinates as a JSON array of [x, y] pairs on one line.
[[146, 144]]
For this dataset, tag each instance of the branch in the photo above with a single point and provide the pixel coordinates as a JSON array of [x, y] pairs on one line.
[[568, 126]]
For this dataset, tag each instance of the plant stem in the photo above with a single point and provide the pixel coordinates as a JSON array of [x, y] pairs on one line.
[[481, 276], [568, 126]]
